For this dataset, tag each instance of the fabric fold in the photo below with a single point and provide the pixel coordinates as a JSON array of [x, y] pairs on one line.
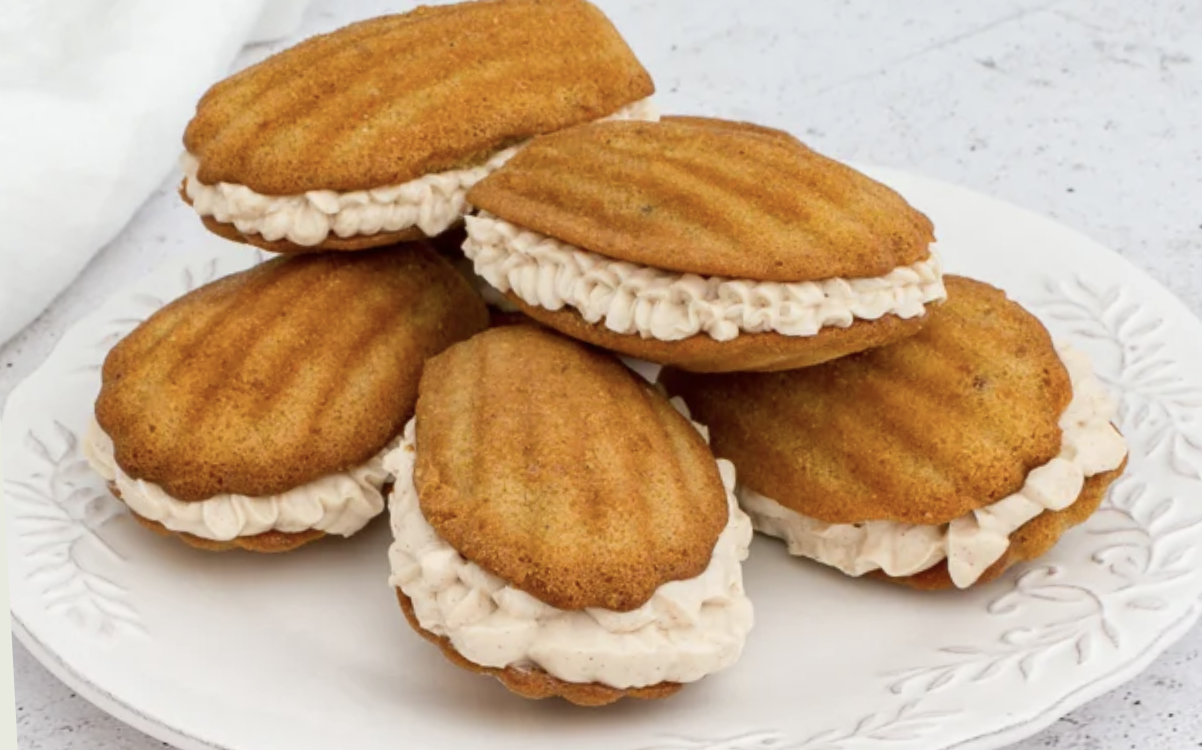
[[94, 98]]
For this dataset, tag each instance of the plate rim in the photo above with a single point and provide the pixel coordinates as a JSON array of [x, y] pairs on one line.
[[160, 730]]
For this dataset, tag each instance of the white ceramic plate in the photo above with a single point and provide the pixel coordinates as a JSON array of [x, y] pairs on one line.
[[308, 651]]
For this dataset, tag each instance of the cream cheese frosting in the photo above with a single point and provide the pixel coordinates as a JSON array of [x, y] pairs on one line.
[[491, 296], [1090, 445], [339, 504], [653, 303], [687, 630], [432, 203]]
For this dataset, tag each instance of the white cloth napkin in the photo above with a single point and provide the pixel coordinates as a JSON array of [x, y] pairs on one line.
[[94, 98]]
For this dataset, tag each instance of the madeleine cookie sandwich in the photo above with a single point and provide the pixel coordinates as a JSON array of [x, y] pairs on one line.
[[708, 245], [562, 527], [939, 461], [372, 134], [255, 411]]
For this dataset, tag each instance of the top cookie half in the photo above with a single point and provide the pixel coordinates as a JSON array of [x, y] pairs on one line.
[[554, 467], [374, 132], [922, 432], [277, 376], [705, 244]]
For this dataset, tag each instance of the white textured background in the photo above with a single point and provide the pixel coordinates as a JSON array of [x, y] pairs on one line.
[[1088, 111]]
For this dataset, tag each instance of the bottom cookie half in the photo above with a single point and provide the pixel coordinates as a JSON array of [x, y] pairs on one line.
[[749, 352], [270, 542], [1033, 540], [534, 683], [333, 243]]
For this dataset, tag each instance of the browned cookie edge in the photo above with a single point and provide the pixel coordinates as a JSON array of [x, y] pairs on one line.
[[333, 243], [271, 542], [749, 352]]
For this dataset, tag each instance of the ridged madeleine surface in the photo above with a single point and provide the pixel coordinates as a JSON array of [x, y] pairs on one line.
[[554, 467], [707, 197], [388, 100], [921, 431], [268, 379]]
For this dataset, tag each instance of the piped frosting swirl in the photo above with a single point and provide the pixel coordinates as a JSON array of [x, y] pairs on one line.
[[339, 504], [652, 303]]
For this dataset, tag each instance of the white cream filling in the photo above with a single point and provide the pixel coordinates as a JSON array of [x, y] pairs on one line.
[[432, 203], [339, 504], [687, 630], [487, 292], [972, 543], [653, 303]]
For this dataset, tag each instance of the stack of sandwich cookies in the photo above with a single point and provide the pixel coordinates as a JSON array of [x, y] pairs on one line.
[[940, 461], [372, 135], [708, 245], [558, 523], [570, 534], [255, 411]]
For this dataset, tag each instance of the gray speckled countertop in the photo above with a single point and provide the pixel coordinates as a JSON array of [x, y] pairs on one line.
[[1088, 111]]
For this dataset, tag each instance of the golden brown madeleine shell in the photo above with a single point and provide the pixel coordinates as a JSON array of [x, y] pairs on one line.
[[922, 431], [747, 128], [1032, 541], [556, 468], [388, 100], [749, 352], [268, 379], [717, 199], [534, 683]]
